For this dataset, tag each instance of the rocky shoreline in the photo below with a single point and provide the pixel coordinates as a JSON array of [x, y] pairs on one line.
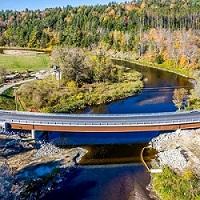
[[33, 169], [178, 150], [178, 155]]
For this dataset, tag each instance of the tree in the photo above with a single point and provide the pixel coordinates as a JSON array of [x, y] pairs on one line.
[[179, 97], [72, 64]]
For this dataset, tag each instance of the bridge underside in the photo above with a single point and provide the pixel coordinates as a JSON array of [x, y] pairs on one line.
[[111, 129]]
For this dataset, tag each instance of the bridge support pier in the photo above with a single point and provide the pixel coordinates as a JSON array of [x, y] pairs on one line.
[[33, 133], [39, 135]]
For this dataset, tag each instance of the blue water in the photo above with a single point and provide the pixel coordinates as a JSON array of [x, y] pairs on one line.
[[105, 138], [117, 182], [107, 182], [156, 96]]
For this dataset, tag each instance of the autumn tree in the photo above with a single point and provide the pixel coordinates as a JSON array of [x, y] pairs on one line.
[[72, 64], [81, 68], [116, 25], [179, 97]]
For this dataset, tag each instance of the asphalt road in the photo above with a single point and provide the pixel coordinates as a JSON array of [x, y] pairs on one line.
[[104, 120], [11, 85]]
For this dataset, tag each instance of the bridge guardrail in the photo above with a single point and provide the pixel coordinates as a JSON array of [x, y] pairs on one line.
[[104, 123], [93, 115]]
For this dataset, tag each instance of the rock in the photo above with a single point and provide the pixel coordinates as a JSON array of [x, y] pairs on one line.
[[35, 166], [6, 181], [174, 158], [47, 149], [13, 144], [178, 150]]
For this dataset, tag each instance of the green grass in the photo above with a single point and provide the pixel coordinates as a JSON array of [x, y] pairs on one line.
[[22, 63], [7, 100], [170, 186], [7, 103]]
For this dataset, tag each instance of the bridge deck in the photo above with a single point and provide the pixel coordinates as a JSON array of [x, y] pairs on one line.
[[101, 123]]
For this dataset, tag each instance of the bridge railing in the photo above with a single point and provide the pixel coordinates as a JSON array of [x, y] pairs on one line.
[[149, 123], [94, 115]]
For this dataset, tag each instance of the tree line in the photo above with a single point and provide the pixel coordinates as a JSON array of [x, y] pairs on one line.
[[115, 26]]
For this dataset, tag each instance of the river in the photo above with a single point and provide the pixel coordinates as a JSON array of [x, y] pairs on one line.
[[112, 169]]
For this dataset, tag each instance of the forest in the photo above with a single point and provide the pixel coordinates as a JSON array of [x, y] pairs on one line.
[[154, 29], [117, 26]]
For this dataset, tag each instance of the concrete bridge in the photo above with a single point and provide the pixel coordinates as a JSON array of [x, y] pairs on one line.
[[99, 122]]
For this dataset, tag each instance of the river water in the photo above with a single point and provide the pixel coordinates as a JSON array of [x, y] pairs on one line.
[[112, 169]]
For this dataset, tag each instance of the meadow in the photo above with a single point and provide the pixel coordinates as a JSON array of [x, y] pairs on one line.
[[23, 63]]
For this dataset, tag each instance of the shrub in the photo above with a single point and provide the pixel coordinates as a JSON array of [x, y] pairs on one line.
[[168, 185], [159, 59]]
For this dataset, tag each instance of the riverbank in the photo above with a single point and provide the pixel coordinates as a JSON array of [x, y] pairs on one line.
[[193, 76], [70, 98], [164, 67], [179, 157], [168, 66], [34, 168]]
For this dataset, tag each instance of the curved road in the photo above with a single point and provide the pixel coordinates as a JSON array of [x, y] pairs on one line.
[[88, 122], [11, 85]]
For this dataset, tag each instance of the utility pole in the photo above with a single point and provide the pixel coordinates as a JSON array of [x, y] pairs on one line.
[[15, 94], [57, 72]]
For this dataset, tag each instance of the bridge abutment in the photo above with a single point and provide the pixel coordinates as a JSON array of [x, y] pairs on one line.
[[5, 126]]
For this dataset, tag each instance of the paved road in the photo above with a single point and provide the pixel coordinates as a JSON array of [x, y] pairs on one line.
[[100, 120], [10, 85]]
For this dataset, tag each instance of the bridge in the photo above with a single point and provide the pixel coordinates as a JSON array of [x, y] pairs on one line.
[[99, 122]]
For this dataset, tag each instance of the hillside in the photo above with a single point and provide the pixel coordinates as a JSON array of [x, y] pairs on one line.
[[116, 26]]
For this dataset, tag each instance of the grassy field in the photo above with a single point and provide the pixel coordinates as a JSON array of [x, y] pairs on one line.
[[22, 63]]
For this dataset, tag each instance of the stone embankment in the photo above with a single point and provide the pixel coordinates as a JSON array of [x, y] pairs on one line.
[[35, 168], [179, 150]]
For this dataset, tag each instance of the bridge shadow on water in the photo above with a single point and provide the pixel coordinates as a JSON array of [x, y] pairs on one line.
[[106, 148], [103, 138], [111, 170]]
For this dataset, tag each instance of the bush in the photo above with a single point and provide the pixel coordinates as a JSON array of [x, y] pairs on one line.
[[159, 59]]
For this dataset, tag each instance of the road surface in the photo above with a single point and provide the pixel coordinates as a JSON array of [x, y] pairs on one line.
[[99, 119]]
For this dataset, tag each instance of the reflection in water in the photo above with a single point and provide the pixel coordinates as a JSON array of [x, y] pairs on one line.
[[154, 78], [116, 154], [153, 100], [105, 182]]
